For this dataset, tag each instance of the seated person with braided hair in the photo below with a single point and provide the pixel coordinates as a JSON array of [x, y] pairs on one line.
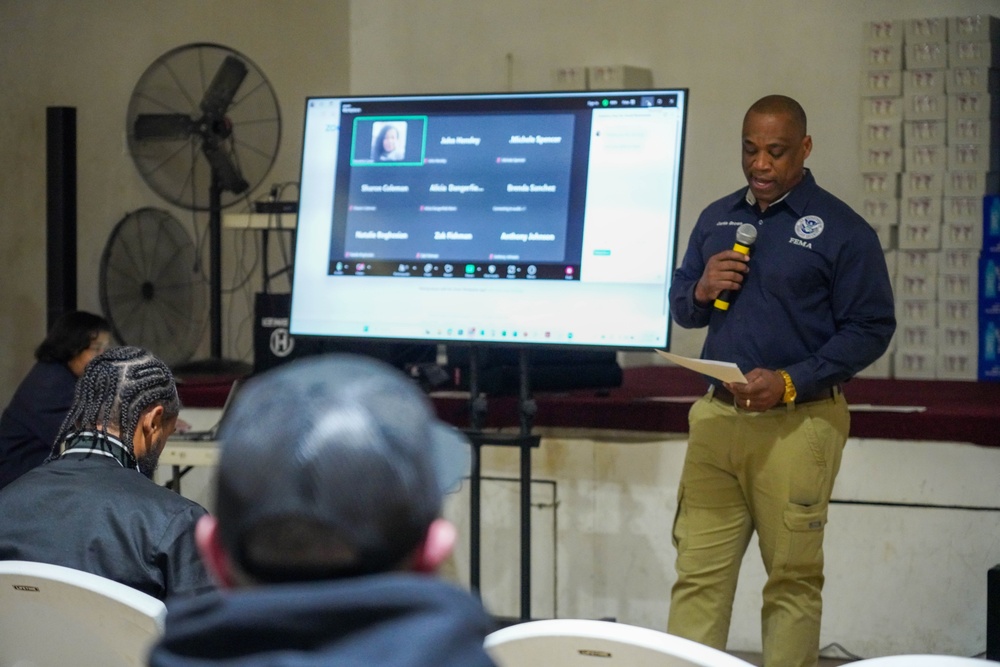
[[93, 505]]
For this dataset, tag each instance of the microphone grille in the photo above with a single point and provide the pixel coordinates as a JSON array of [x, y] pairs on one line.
[[746, 234]]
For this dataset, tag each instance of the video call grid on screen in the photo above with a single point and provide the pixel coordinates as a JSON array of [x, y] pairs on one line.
[[516, 218]]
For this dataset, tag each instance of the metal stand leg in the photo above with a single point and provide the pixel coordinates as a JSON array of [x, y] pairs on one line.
[[525, 441]]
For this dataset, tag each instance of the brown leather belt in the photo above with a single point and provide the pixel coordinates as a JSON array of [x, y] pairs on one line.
[[720, 393]]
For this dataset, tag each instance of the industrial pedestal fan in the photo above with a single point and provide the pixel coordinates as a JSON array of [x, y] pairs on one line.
[[151, 288], [203, 128]]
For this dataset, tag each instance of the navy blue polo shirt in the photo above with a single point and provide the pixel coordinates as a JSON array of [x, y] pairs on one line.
[[816, 301]]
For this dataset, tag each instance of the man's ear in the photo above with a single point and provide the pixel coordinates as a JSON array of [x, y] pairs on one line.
[[150, 423], [213, 554], [436, 547]]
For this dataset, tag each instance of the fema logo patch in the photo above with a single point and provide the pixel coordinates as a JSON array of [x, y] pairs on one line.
[[809, 227]]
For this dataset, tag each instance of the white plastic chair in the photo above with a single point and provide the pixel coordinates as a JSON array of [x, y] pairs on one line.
[[574, 642], [52, 616], [922, 661]]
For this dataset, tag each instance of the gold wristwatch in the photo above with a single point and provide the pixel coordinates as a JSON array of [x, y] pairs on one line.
[[790, 392]]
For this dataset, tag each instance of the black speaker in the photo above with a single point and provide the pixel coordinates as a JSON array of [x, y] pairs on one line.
[[549, 370], [273, 344], [993, 613], [60, 230]]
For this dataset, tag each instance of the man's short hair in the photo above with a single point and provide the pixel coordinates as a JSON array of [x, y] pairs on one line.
[[331, 466], [780, 104]]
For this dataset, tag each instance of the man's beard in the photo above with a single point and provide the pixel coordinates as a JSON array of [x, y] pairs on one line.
[[148, 462]]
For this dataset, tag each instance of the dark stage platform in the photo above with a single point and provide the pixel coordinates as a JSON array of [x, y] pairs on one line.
[[657, 398]]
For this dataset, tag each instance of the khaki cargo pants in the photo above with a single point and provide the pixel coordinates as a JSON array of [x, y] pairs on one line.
[[770, 472]]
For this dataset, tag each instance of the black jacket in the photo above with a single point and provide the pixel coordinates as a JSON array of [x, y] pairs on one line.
[[91, 513], [30, 423], [388, 620]]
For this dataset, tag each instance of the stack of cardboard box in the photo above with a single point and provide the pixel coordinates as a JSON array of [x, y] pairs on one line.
[[929, 157]]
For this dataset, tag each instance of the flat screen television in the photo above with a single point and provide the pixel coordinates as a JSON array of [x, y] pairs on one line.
[[516, 218]]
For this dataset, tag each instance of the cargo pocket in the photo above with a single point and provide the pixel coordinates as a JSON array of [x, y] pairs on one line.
[[801, 551]]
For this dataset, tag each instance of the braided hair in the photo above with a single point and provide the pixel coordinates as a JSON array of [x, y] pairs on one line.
[[114, 391]]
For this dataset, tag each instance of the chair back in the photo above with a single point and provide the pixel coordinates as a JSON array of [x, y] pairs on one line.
[[577, 642], [52, 615]]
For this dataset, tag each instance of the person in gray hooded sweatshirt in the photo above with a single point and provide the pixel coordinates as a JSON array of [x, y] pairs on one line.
[[328, 529]]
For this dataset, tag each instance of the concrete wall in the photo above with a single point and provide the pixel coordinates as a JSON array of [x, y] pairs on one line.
[[907, 546], [90, 55]]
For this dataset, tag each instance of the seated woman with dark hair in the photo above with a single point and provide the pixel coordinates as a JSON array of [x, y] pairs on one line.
[[29, 424]]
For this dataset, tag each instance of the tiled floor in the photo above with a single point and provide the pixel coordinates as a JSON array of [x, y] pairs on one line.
[[755, 659]]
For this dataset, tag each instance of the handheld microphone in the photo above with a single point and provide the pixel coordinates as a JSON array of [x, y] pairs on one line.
[[746, 234]]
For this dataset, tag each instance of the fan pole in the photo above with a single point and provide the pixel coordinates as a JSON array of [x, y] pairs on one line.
[[215, 264]]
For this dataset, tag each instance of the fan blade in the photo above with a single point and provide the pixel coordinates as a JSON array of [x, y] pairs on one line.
[[163, 126], [223, 88], [223, 169]]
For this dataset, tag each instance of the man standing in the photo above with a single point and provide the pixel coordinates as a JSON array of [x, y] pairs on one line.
[[802, 308], [94, 507], [328, 529]]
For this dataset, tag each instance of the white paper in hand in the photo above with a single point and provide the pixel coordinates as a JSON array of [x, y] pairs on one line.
[[720, 370]]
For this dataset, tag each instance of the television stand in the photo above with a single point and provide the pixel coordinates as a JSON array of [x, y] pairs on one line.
[[524, 440]]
